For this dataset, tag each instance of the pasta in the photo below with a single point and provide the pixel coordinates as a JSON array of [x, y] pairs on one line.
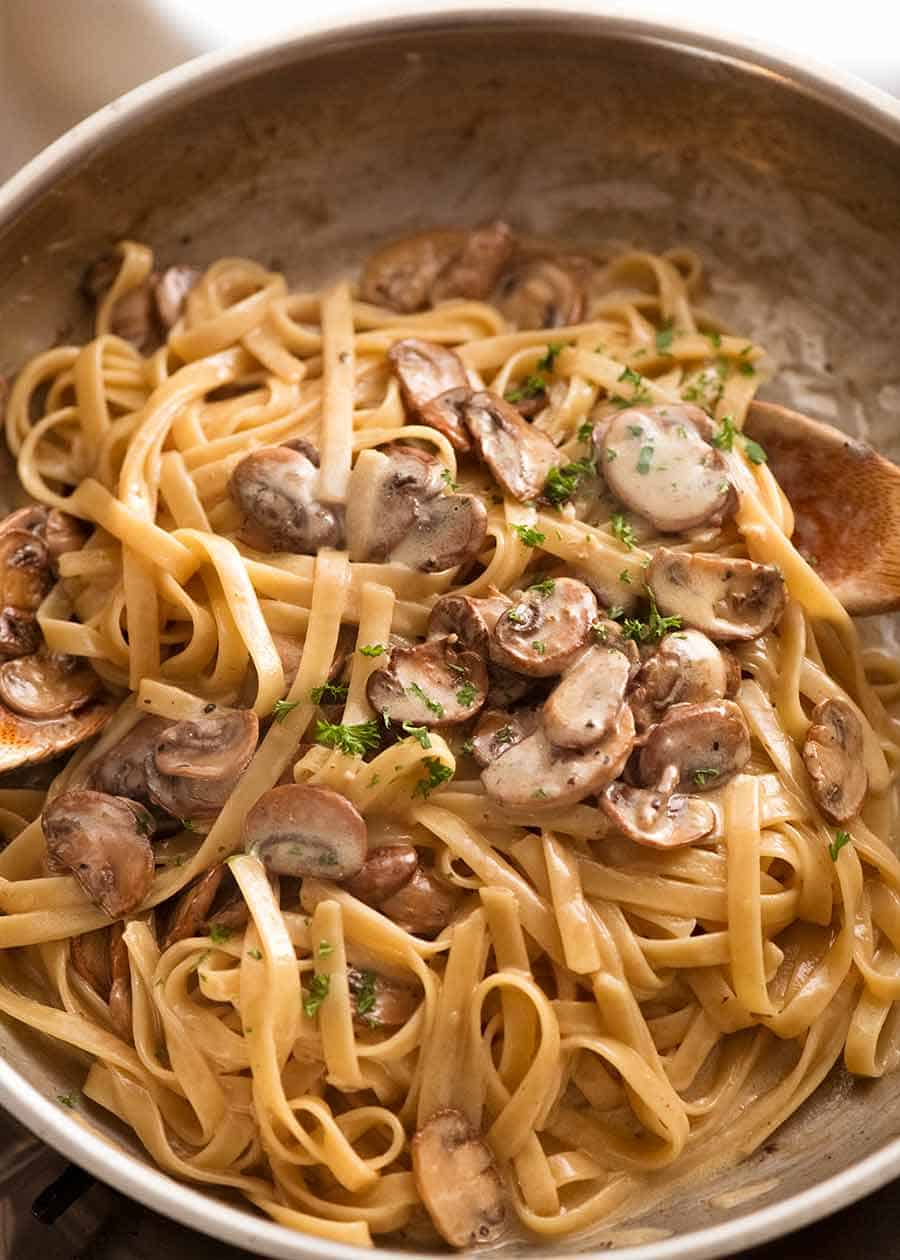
[[596, 990]]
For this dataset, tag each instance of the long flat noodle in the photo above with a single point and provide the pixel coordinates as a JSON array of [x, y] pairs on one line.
[[744, 898], [337, 398]]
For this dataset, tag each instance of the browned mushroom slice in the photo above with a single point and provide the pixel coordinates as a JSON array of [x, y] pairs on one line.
[[122, 771], [655, 818], [534, 775], [424, 906], [89, 955], [47, 684], [507, 688], [543, 633], [202, 905], [447, 532], [104, 842], [384, 872], [196, 763], [400, 275], [445, 413], [30, 520], [471, 620], [833, 756], [707, 744], [275, 488], [27, 740], [431, 684], [25, 569], [63, 533], [519, 455], [387, 491], [378, 1002], [543, 292], [584, 706], [120, 1009], [20, 634], [498, 730], [170, 293], [458, 1181], [473, 271], [424, 370], [730, 600], [302, 830], [686, 668], [609, 634], [655, 460], [131, 317]]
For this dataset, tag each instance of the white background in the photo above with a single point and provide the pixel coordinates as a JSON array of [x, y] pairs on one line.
[[62, 59]]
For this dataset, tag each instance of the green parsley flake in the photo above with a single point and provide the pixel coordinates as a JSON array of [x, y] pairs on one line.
[[467, 746], [365, 993], [516, 617], [547, 361], [644, 459], [746, 368], [633, 378], [437, 773], [219, 933], [635, 430], [562, 482], [724, 439], [418, 732], [546, 587], [532, 387], [625, 577], [281, 708], [255, 954], [715, 339], [664, 340], [840, 839], [187, 824], [467, 694], [611, 454], [703, 776], [66, 1100], [754, 452], [372, 649], [615, 613], [318, 992], [433, 706], [651, 630], [447, 478], [622, 529], [530, 536], [539, 646], [324, 949], [585, 432], [539, 794], [353, 740], [329, 691]]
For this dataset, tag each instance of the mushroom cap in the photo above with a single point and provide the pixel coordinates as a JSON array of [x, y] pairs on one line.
[[194, 911], [685, 668], [729, 600], [507, 687], [63, 533], [301, 830], [27, 740], [542, 634], [387, 492], [400, 274], [195, 764], [471, 620], [473, 271], [103, 841], [423, 906], [25, 570], [20, 634], [583, 707], [656, 819], [457, 1180], [275, 488], [543, 292], [833, 755], [47, 684], [424, 370], [498, 730], [392, 1004], [707, 744], [431, 684], [447, 532], [534, 775], [31, 519], [121, 771], [445, 413], [518, 455], [170, 291], [655, 461], [89, 955], [385, 871]]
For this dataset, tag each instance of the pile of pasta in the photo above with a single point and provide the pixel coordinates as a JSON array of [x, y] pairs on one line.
[[610, 1017]]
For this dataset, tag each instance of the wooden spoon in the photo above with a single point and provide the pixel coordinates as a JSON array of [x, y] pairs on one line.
[[846, 501]]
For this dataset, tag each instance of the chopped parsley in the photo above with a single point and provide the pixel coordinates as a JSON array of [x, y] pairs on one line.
[[754, 452], [635, 430], [530, 536], [546, 587], [418, 732], [532, 387], [467, 746], [703, 776], [374, 781], [644, 458], [633, 378], [516, 616], [353, 740], [447, 478], [622, 529], [324, 949], [664, 340], [625, 577], [539, 646], [318, 992], [372, 649], [715, 339], [437, 773], [724, 439], [505, 735], [255, 954], [651, 630], [547, 361], [585, 431], [840, 839], [329, 691], [66, 1100], [746, 368], [365, 993], [219, 933], [281, 708], [611, 454], [562, 482], [539, 794], [144, 823], [433, 706], [615, 613], [641, 395], [467, 694], [187, 823]]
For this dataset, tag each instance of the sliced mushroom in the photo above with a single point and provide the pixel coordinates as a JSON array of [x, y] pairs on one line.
[[122, 771], [685, 668], [833, 756], [30, 520], [655, 817], [473, 271], [89, 956], [170, 291], [707, 744], [471, 620], [379, 1002], [445, 413], [27, 740], [104, 842], [498, 730], [131, 317], [120, 1009], [20, 634], [386, 493], [655, 460], [275, 488], [458, 1181], [101, 959], [729, 600], [584, 706], [195, 764], [534, 775], [507, 687], [25, 570], [47, 684], [194, 912], [431, 684], [385, 871], [609, 634], [447, 532], [519, 455], [543, 633], [424, 370], [400, 275], [302, 830], [543, 292], [423, 906], [58, 530]]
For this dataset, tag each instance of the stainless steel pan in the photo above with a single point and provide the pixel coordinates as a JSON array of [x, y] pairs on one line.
[[303, 152]]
